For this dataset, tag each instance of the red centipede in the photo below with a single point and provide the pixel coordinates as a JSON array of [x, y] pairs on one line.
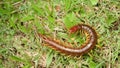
[[84, 48]]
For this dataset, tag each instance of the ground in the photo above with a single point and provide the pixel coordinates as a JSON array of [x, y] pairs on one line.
[[20, 21]]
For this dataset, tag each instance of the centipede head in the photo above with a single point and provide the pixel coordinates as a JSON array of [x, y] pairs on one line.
[[74, 29]]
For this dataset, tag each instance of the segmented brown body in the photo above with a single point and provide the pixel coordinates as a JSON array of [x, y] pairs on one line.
[[87, 46]]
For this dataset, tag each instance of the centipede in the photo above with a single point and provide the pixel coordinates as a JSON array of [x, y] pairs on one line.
[[89, 44]]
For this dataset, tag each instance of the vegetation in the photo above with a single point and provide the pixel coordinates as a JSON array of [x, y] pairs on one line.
[[21, 20]]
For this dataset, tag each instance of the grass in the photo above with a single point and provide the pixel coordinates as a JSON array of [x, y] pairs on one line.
[[21, 20]]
